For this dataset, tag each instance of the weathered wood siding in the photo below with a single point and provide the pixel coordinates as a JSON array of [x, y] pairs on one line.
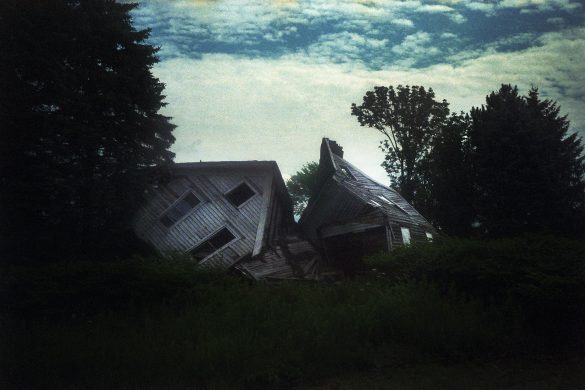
[[417, 233], [332, 205], [213, 213], [279, 222]]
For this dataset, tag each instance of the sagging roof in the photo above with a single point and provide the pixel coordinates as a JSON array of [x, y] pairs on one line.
[[333, 168]]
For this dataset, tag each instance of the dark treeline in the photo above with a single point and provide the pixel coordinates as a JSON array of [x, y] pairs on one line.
[[508, 167], [80, 128]]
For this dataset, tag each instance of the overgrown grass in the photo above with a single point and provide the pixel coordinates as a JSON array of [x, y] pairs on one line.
[[162, 323]]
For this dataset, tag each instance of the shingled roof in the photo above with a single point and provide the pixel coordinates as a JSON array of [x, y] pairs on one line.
[[346, 196], [375, 194], [332, 166]]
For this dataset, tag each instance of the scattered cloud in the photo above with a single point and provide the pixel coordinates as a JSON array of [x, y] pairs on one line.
[[415, 47], [490, 8], [402, 22], [281, 107], [556, 20], [274, 77], [343, 47], [448, 35], [540, 5], [487, 8], [435, 8], [442, 9], [252, 22]]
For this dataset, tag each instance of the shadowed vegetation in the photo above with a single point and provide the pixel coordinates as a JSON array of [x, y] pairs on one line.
[[158, 322]]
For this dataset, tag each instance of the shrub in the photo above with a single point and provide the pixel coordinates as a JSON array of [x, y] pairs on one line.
[[541, 278]]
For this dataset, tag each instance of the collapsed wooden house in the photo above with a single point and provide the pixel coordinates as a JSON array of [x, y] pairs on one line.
[[350, 215], [233, 215], [237, 215]]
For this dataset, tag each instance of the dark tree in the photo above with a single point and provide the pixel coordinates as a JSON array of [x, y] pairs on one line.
[[528, 169], [408, 117], [449, 178], [80, 124], [301, 186]]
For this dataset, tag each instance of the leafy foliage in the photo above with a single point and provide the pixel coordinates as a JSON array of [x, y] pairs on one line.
[[80, 125], [408, 117], [301, 186], [509, 167], [448, 173]]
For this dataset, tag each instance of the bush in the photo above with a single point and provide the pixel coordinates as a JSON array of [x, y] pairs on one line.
[[85, 287], [541, 279]]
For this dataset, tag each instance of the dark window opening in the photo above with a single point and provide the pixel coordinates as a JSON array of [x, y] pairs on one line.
[[179, 209], [239, 195], [191, 199], [347, 250], [166, 220], [212, 244]]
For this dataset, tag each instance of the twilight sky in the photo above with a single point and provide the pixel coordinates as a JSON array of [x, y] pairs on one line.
[[266, 80]]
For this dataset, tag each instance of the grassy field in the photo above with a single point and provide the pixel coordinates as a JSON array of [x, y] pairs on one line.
[[161, 323]]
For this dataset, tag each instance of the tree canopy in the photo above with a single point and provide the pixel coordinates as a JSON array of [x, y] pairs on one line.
[[448, 178], [408, 117], [80, 123], [528, 170], [301, 186], [510, 166]]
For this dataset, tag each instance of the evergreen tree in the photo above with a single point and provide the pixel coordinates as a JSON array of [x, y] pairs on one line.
[[408, 117], [528, 170], [80, 124]]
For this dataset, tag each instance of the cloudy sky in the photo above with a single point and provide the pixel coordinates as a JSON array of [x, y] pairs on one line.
[[266, 80]]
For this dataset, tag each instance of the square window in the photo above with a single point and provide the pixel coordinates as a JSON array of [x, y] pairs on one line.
[[212, 244], [166, 220], [191, 199], [239, 195], [179, 209], [429, 236]]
